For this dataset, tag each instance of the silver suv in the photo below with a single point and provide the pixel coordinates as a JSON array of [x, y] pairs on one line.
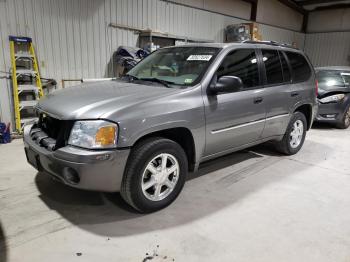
[[180, 106]]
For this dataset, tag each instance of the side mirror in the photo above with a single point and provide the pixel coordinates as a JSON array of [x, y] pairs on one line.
[[226, 84]]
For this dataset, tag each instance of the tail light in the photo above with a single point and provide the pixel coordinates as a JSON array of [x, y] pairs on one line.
[[316, 90]]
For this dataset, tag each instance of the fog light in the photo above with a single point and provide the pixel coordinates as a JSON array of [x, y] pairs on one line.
[[329, 116], [71, 176]]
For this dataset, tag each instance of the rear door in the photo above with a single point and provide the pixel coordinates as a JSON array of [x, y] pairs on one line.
[[279, 96], [235, 119]]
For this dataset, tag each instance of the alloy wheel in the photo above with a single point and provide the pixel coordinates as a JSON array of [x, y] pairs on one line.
[[296, 136], [160, 177], [347, 118]]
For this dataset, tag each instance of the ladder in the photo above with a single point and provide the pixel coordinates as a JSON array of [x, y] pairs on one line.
[[26, 82]]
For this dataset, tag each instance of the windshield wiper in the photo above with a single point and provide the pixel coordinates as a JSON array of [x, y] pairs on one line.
[[131, 77], [154, 79]]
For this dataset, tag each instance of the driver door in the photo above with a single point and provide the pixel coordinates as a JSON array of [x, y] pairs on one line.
[[238, 118]]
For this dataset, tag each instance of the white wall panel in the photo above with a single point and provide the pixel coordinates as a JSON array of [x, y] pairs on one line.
[[329, 20], [73, 40], [237, 8], [273, 12], [270, 33], [328, 49]]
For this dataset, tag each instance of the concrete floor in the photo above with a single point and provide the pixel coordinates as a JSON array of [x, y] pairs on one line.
[[254, 205]]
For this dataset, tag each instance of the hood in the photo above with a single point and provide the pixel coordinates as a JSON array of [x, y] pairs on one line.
[[326, 91], [94, 100]]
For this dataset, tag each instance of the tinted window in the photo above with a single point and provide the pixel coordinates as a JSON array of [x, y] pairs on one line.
[[286, 72], [273, 66], [300, 67], [329, 79], [243, 64]]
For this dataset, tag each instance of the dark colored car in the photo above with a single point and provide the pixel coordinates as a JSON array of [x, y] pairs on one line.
[[178, 107], [334, 95]]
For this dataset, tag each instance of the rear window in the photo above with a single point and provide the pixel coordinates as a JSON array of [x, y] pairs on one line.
[[300, 67], [330, 78], [273, 68]]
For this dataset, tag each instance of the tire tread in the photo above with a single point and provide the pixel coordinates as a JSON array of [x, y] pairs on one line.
[[135, 157]]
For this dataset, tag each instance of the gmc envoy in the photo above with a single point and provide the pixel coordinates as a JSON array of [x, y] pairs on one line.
[[141, 134]]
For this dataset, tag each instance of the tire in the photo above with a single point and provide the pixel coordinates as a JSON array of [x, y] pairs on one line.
[[144, 169], [345, 123], [286, 145]]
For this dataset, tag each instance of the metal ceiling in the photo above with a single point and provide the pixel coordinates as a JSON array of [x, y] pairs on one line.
[[313, 5]]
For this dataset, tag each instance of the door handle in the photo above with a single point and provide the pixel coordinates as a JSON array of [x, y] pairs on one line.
[[258, 100], [294, 94]]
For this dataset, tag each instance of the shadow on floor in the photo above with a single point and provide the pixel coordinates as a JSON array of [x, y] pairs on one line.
[[108, 215], [3, 248], [323, 126]]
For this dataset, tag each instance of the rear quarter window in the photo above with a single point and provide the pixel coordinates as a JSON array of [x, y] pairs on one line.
[[301, 70]]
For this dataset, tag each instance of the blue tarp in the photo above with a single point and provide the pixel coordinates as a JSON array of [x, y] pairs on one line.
[[5, 135]]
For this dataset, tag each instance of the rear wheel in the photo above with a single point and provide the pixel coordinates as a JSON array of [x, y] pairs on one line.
[[345, 123], [294, 137], [155, 174]]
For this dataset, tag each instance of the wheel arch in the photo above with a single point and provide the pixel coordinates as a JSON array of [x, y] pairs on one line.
[[181, 135], [306, 109]]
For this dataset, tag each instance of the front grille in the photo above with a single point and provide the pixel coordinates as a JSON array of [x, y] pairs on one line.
[[50, 132]]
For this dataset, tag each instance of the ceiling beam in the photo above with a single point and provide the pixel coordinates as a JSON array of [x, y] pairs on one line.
[[294, 6], [329, 7], [315, 2], [305, 23]]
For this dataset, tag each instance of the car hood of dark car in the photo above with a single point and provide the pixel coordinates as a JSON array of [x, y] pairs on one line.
[[326, 91], [95, 100]]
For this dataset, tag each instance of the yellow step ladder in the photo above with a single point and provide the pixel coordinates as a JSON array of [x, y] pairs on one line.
[[26, 82]]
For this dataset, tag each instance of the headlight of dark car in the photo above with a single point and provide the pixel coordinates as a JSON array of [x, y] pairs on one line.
[[332, 99]]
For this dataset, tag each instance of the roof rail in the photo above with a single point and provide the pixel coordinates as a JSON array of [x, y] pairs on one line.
[[273, 43]]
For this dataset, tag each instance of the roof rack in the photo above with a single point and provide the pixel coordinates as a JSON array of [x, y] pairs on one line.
[[273, 43]]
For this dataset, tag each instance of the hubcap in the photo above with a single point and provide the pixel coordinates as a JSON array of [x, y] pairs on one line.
[[160, 177], [296, 135]]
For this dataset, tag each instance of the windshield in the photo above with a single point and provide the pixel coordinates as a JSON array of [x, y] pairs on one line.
[[332, 79], [176, 66]]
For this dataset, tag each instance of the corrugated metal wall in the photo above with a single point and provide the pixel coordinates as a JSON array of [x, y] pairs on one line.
[[73, 40], [271, 33], [327, 49]]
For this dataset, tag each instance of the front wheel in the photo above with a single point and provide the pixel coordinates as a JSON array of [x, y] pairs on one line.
[[155, 174], [345, 123], [294, 137]]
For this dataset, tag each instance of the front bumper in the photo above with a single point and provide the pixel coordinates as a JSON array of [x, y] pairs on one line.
[[100, 170], [331, 113]]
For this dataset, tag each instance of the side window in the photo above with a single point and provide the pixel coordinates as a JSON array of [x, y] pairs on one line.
[[273, 66], [243, 64], [300, 67], [346, 77], [286, 72]]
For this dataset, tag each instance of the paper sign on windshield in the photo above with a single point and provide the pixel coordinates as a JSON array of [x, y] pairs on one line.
[[199, 57]]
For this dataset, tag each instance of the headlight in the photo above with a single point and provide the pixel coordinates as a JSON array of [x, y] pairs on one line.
[[332, 99], [94, 134]]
